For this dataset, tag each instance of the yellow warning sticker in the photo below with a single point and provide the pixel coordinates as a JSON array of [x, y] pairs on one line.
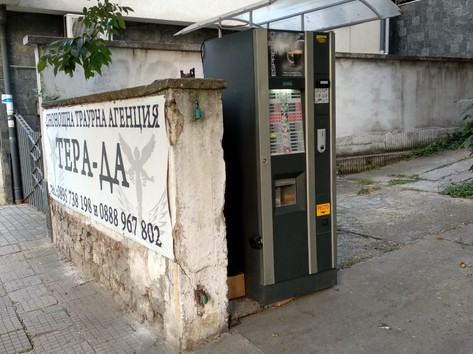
[[323, 209], [321, 38]]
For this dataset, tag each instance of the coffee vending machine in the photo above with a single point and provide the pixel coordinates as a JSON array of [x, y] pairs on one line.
[[279, 149]]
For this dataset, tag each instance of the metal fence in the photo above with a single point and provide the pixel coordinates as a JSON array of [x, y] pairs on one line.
[[31, 160]]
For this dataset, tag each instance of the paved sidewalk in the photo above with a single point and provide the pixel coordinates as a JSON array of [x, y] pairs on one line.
[[47, 306]]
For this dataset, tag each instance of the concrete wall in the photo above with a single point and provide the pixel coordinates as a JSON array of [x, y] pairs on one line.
[[163, 64], [435, 28], [131, 67], [393, 103], [383, 103], [161, 290]]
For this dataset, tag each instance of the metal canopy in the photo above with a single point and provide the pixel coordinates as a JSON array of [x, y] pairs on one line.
[[303, 15]]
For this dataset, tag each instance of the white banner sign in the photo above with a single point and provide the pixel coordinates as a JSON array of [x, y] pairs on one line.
[[109, 161]]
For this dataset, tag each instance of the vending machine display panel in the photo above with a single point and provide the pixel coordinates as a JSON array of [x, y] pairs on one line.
[[286, 121]]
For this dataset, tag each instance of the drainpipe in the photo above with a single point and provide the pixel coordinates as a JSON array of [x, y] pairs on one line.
[[384, 36], [8, 100]]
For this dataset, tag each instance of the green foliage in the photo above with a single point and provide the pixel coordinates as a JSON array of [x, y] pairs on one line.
[[365, 182], [450, 143], [401, 179], [44, 96], [459, 190], [89, 50], [464, 189], [367, 189]]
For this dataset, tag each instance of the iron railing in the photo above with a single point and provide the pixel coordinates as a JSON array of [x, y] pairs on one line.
[[31, 161]]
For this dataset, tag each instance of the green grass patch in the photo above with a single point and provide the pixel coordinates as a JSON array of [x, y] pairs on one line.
[[449, 143], [459, 190], [368, 189], [367, 186], [365, 182], [402, 179]]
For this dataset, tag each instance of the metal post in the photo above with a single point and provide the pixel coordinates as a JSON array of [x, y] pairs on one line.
[[14, 151], [382, 37], [8, 100]]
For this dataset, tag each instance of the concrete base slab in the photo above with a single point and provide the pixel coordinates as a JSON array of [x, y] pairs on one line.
[[401, 215], [452, 171], [239, 308], [353, 248], [231, 343], [406, 280], [416, 166], [414, 300]]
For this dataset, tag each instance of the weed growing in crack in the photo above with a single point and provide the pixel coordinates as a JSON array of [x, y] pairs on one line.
[[459, 190]]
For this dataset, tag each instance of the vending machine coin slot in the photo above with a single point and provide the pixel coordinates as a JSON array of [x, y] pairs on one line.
[[321, 140]]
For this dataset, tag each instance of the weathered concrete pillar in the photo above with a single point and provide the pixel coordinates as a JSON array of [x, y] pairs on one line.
[[183, 291], [196, 196]]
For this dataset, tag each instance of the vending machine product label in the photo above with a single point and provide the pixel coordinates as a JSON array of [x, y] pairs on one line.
[[323, 209], [286, 54], [321, 95]]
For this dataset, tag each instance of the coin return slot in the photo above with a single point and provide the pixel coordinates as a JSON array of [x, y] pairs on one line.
[[285, 192]]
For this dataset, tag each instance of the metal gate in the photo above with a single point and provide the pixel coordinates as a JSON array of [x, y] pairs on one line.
[[31, 161]]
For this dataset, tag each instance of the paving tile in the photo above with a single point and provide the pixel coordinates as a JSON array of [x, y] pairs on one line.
[[9, 249], [100, 319], [14, 342], [102, 327], [100, 304], [136, 340], [68, 340], [11, 267], [35, 303], [5, 302], [28, 293], [16, 273], [39, 267], [12, 258], [34, 244], [52, 318], [8, 320], [47, 278], [21, 283], [143, 339], [4, 242], [116, 347], [46, 296], [80, 348], [66, 290], [43, 255]]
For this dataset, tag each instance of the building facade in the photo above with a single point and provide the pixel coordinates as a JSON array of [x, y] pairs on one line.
[[433, 28]]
